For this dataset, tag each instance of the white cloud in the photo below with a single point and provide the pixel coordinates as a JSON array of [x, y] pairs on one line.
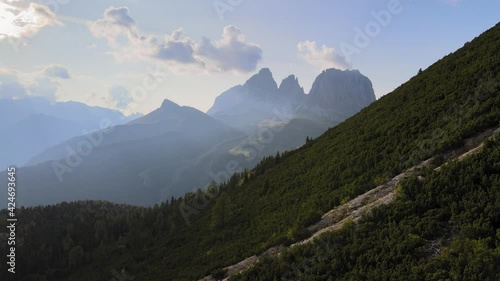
[[322, 57], [43, 87], [176, 47], [57, 71], [15, 84], [231, 52], [120, 97], [10, 88], [19, 21], [116, 22]]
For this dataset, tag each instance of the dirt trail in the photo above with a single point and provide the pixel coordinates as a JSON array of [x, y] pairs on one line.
[[364, 203]]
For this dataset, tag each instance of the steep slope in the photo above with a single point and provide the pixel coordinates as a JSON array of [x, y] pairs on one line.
[[186, 239], [356, 209], [443, 225]]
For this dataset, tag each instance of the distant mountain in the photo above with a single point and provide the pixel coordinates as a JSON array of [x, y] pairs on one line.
[[245, 106], [168, 151], [176, 149], [29, 126], [170, 118], [335, 96]]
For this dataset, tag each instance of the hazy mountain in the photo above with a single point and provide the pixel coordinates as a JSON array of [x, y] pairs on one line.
[[335, 96], [291, 94], [163, 153], [176, 149], [245, 106], [29, 126], [169, 118]]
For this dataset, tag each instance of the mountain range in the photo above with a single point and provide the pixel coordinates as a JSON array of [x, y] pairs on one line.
[[176, 149], [31, 125], [335, 96]]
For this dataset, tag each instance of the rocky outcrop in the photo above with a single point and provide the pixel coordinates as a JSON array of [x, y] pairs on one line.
[[291, 89], [337, 94]]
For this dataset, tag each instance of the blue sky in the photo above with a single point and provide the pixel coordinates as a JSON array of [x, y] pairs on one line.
[[131, 54]]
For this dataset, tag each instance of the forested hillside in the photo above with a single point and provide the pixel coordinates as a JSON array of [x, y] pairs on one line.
[[445, 225], [272, 204]]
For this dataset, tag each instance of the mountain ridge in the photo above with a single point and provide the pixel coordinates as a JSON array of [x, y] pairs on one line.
[[55, 122], [247, 105]]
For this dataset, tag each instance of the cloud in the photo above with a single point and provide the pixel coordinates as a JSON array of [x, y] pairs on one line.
[[18, 22], [231, 52], [324, 57], [57, 71], [11, 90], [15, 84], [175, 47], [43, 87], [120, 96], [115, 23]]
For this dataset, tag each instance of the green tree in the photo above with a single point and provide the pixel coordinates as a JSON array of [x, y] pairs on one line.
[[101, 231], [220, 211], [76, 256]]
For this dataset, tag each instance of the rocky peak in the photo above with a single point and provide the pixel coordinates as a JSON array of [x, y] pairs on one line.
[[342, 93], [335, 95], [169, 105], [290, 87], [262, 83]]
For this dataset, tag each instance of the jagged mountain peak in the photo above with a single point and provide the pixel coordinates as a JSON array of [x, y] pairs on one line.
[[262, 83], [335, 95], [334, 75], [338, 94], [342, 83], [290, 86]]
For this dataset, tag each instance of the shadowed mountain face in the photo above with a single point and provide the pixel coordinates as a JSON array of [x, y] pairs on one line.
[[170, 118], [139, 162], [31, 125], [335, 96]]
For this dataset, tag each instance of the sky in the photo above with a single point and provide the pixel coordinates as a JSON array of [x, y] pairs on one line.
[[130, 55]]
